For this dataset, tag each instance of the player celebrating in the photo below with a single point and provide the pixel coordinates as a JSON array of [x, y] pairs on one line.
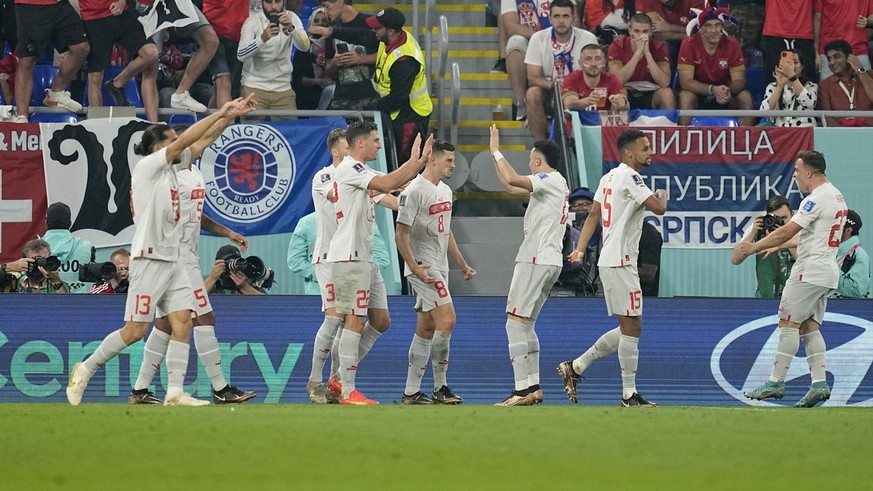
[[814, 277], [424, 239], [618, 204], [192, 193], [358, 283], [538, 262], [157, 281]]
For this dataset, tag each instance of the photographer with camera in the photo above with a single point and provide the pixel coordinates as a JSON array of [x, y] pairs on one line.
[[853, 261], [772, 270], [72, 251], [118, 282], [233, 274], [35, 272]]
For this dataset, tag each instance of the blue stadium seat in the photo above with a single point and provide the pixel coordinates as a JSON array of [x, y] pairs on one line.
[[131, 89], [675, 83], [54, 118], [715, 121], [43, 77], [755, 84]]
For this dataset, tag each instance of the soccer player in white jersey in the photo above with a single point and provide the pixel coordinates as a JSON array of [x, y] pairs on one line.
[[619, 205], [814, 277], [538, 262], [425, 240], [192, 194], [157, 280], [357, 281]]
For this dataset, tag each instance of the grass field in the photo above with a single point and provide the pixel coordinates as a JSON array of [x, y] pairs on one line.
[[294, 446]]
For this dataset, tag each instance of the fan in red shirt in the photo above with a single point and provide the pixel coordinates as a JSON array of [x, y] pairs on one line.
[[835, 19], [591, 88], [788, 25], [712, 72], [226, 18], [642, 64]]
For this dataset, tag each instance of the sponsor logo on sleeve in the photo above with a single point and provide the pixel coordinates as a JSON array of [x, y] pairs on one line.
[[638, 179], [402, 200], [359, 167], [808, 206], [542, 176]]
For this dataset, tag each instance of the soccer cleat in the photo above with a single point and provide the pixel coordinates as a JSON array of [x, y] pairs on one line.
[[185, 101], [184, 399], [444, 395], [768, 390], [116, 94], [637, 400], [417, 399], [143, 396], [818, 392], [316, 392], [357, 399], [570, 378], [515, 399], [61, 99], [76, 385], [231, 395], [499, 66], [335, 386], [537, 396]]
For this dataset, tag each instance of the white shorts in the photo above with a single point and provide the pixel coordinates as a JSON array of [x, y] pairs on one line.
[[156, 285], [530, 287], [430, 296], [324, 276], [516, 43], [801, 301], [201, 303], [621, 289], [359, 287]]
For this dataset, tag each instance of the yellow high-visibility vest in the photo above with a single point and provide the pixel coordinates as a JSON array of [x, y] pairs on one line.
[[419, 99]]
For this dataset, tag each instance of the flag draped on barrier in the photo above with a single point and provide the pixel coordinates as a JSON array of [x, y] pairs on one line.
[[168, 13]]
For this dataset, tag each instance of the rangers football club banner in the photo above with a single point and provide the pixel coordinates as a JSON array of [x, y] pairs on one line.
[[162, 14], [717, 178]]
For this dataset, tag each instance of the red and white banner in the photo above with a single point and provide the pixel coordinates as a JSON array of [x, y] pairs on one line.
[[22, 188]]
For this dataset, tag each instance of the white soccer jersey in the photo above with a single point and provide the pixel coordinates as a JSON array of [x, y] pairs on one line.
[[325, 213], [154, 202], [822, 215], [355, 214], [427, 208], [621, 194], [545, 220], [192, 194]]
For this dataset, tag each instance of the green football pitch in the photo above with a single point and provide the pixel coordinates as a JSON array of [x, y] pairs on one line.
[[295, 446]]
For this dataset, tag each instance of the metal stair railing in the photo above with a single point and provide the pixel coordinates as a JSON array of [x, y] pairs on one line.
[[429, 13], [561, 137], [443, 44], [456, 102]]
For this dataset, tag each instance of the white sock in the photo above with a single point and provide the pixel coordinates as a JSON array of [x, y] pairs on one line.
[[419, 352], [515, 333], [152, 355], [439, 358], [334, 352], [789, 342], [177, 365], [533, 356], [109, 348], [368, 339], [628, 358], [815, 355], [348, 361], [604, 346], [209, 353], [324, 339]]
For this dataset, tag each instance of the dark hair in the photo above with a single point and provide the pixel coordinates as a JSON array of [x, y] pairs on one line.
[[777, 202], [180, 128], [813, 160], [550, 150], [442, 146], [629, 9], [35, 245], [640, 19], [594, 46], [334, 136], [562, 3], [628, 137], [153, 135], [839, 45], [803, 80], [57, 217], [360, 129]]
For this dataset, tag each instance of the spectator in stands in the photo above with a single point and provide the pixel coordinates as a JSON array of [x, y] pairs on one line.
[[609, 19], [38, 22], [552, 54], [583, 278], [669, 21], [642, 64], [308, 78], [401, 80], [750, 16], [108, 22], [500, 64], [850, 88], [265, 49], [72, 251], [119, 283], [787, 25], [591, 88], [791, 92], [171, 70], [36, 278], [223, 282], [854, 262], [835, 19], [712, 73], [227, 18], [772, 270]]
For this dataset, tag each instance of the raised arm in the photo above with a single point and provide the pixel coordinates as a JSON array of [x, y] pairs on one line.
[[229, 111], [509, 179], [406, 172]]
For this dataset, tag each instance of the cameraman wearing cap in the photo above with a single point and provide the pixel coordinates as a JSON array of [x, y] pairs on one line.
[[853, 261], [223, 282], [72, 251], [772, 270], [35, 273]]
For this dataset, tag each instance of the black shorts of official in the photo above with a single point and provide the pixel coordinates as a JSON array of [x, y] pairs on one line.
[[39, 24], [405, 132], [104, 33]]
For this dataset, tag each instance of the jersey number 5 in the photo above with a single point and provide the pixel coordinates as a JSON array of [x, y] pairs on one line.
[[607, 208]]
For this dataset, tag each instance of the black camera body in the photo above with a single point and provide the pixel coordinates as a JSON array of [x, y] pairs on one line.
[[97, 272], [50, 263], [772, 222], [253, 268]]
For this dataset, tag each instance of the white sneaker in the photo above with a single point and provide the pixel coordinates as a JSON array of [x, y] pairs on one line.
[[77, 384], [20, 119], [185, 101], [61, 99], [184, 399]]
